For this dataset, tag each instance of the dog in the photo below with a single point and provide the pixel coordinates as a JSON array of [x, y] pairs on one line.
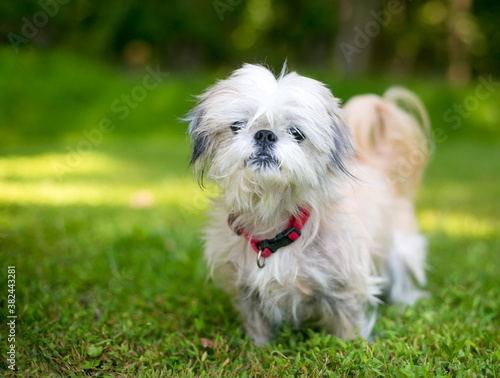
[[315, 224]]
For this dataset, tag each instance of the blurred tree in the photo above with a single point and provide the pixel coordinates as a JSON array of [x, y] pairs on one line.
[[460, 36], [355, 35]]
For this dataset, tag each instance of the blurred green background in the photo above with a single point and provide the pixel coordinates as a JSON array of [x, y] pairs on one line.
[[101, 217], [64, 63]]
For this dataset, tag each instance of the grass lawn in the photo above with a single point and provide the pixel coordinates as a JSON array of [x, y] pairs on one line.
[[110, 279]]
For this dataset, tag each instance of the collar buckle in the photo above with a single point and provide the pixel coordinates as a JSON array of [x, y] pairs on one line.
[[283, 239]]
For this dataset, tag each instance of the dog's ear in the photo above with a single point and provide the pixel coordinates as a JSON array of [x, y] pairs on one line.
[[199, 141], [343, 149]]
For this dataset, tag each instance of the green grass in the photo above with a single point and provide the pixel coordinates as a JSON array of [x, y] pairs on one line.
[[107, 287]]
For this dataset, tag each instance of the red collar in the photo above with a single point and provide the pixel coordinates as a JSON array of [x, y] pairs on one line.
[[266, 247]]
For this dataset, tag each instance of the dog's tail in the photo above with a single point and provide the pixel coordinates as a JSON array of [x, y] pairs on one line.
[[392, 133]]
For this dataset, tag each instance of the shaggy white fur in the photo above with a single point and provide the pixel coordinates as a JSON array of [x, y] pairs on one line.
[[361, 242]]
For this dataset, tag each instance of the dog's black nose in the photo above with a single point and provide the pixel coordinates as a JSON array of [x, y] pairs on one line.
[[265, 138]]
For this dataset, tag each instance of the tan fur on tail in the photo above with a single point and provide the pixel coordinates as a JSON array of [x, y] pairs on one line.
[[391, 133]]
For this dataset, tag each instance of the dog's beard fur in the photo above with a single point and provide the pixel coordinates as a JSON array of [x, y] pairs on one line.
[[361, 240]]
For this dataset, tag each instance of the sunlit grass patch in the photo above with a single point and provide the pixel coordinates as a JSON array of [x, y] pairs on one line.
[[102, 177], [44, 166], [168, 192], [458, 224]]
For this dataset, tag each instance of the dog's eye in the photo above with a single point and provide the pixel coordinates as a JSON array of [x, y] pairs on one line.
[[237, 126], [297, 134]]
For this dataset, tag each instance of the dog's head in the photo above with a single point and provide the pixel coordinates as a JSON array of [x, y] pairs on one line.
[[268, 140]]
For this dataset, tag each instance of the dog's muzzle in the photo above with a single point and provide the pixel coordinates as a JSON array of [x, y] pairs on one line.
[[264, 143], [262, 160]]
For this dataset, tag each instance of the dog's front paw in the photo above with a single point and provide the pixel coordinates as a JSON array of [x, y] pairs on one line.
[[257, 326]]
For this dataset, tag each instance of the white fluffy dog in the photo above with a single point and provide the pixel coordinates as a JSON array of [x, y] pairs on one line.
[[315, 222]]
